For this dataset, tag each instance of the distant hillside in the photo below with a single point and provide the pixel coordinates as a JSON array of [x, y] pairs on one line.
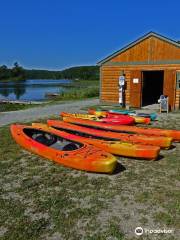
[[81, 73], [17, 72]]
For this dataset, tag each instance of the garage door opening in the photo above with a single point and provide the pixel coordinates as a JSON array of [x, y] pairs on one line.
[[152, 86]]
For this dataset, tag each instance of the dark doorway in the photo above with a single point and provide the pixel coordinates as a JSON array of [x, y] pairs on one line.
[[152, 86]]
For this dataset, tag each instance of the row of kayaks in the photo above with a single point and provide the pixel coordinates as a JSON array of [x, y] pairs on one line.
[[86, 143], [99, 112], [115, 117], [108, 117], [138, 117]]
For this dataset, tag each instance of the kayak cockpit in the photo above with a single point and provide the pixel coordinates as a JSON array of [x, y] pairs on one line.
[[51, 140]]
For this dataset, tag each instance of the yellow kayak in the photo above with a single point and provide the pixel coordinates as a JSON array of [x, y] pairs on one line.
[[80, 115]]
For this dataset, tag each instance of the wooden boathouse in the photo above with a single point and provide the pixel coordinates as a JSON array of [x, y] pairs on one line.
[[150, 67]]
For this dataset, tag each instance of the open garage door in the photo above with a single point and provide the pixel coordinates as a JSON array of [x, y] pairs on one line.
[[152, 86]]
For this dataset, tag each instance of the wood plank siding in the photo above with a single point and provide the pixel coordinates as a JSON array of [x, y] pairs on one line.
[[151, 54], [169, 87], [177, 101], [135, 89], [149, 50], [109, 85]]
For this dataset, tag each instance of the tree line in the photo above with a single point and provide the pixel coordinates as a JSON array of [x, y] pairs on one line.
[[17, 72]]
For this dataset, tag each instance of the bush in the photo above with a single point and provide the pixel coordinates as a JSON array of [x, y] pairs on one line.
[[76, 93]]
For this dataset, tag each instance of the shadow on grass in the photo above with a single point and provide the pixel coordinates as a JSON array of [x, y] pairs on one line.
[[171, 147], [160, 157], [119, 168]]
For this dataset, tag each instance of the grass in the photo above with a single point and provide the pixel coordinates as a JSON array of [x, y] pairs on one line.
[[83, 83], [105, 106], [76, 93], [6, 107], [43, 200], [80, 89]]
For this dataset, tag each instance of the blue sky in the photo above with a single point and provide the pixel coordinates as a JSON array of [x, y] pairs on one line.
[[55, 34]]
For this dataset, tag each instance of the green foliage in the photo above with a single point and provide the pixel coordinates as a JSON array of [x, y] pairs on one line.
[[42, 74], [84, 72], [4, 72], [76, 93], [77, 73], [15, 73]]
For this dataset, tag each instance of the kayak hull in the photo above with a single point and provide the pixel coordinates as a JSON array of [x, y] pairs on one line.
[[137, 119], [174, 134], [122, 111], [163, 142], [79, 115], [115, 115], [152, 116], [120, 120], [142, 120], [87, 157], [114, 147]]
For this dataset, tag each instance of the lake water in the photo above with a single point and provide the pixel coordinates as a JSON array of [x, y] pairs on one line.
[[32, 89]]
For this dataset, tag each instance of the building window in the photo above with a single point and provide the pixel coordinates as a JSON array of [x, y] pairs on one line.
[[178, 81]]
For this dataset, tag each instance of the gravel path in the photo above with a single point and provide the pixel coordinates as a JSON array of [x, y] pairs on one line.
[[44, 111]]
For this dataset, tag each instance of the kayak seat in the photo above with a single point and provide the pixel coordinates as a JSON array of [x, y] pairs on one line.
[[45, 139], [70, 147]]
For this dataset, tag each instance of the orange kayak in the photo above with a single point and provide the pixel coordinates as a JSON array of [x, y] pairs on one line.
[[163, 142], [114, 147], [57, 146], [174, 134]]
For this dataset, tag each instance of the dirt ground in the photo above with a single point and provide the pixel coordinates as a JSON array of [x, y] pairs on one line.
[[45, 201], [34, 113]]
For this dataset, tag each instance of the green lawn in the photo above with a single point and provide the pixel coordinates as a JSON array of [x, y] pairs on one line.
[[43, 200], [6, 107]]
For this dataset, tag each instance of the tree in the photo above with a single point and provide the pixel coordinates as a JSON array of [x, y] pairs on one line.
[[18, 71], [4, 72]]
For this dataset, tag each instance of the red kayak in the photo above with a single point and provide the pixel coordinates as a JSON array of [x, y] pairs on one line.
[[121, 120], [111, 116]]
